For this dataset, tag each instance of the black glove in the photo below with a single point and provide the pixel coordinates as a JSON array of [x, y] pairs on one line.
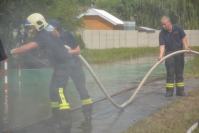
[[3, 55]]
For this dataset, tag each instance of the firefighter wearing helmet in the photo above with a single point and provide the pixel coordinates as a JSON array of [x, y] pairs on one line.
[[58, 57], [37, 20]]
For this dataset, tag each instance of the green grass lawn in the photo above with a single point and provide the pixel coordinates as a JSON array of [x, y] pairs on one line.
[[174, 118], [117, 54], [196, 131], [192, 68]]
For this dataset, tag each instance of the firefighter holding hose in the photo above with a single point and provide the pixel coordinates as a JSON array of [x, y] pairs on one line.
[[75, 71], [58, 57], [173, 38]]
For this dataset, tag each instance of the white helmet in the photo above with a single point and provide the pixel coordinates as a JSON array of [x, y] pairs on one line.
[[37, 20]]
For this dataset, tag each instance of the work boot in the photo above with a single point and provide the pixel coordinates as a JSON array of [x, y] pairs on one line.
[[86, 125], [63, 121], [87, 111], [169, 93], [180, 92]]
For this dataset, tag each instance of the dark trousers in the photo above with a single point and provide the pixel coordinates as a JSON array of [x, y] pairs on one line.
[[175, 70], [60, 78]]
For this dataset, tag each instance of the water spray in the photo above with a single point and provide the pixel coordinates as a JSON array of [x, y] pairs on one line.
[[21, 34], [5, 88]]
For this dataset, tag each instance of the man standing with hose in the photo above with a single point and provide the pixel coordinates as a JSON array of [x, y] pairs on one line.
[[75, 71], [58, 57], [172, 38]]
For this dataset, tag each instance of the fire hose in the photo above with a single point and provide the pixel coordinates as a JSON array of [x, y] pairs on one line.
[[132, 97], [193, 127], [130, 100]]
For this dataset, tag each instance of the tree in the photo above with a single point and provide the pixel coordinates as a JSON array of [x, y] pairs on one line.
[[14, 12], [65, 11], [149, 12]]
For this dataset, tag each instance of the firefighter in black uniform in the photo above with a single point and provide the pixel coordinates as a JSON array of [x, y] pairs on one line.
[[172, 38], [75, 71], [59, 57]]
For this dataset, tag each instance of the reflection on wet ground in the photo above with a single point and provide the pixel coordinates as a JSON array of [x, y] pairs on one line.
[[108, 119]]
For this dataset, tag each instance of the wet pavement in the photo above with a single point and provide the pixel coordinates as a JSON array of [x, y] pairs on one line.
[[29, 102], [107, 119]]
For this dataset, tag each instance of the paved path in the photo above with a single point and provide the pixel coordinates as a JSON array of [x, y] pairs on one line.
[[108, 119]]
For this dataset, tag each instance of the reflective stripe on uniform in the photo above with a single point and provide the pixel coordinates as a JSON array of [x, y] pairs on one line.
[[170, 85], [60, 106], [180, 84], [87, 101], [64, 104]]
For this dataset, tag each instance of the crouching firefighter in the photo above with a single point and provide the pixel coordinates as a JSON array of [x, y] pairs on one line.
[[172, 38], [58, 57], [75, 71]]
